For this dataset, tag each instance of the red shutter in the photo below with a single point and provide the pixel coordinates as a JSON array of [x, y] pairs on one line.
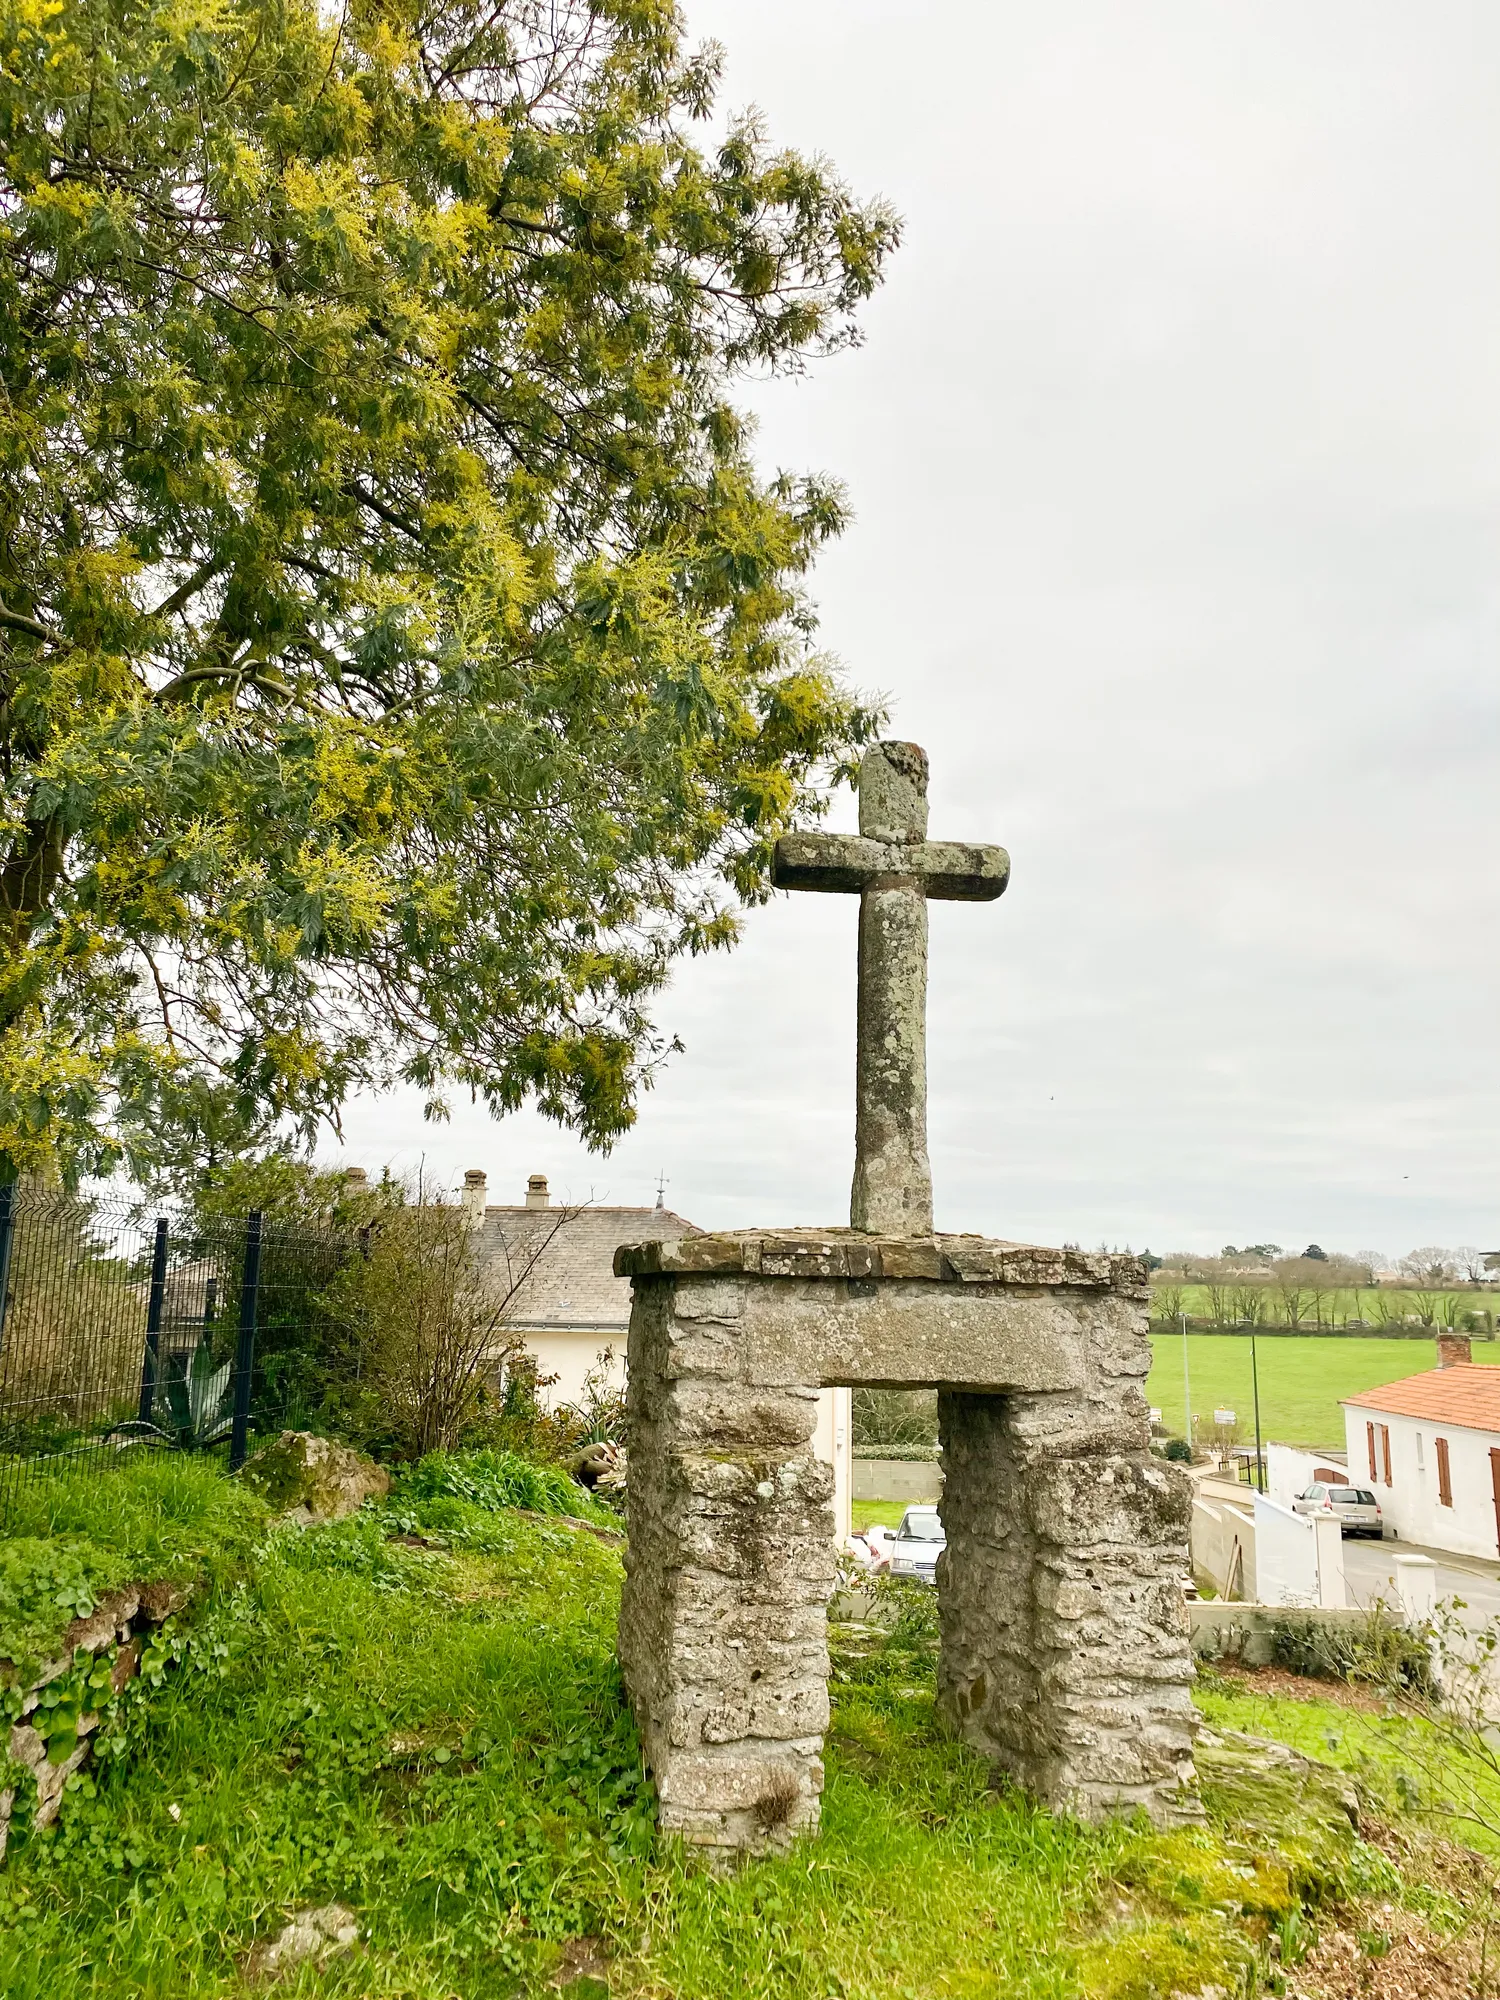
[[1445, 1482], [1370, 1440], [1385, 1450]]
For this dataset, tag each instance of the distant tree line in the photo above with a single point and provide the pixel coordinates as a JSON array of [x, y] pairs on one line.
[[1260, 1286]]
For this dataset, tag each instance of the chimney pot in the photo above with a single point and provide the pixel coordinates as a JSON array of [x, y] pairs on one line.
[[473, 1197], [536, 1192], [1453, 1350]]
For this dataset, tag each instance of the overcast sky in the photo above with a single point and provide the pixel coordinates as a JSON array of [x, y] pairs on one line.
[[1172, 449]]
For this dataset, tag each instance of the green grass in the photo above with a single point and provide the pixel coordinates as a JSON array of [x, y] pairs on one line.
[[1301, 1379], [159, 1518], [866, 1513], [1406, 1763], [418, 1712]]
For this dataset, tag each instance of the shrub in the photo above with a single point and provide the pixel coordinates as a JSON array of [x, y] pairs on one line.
[[1396, 1657], [493, 1479], [423, 1330]]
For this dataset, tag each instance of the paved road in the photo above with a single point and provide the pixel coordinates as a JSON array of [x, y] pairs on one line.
[[1369, 1569]]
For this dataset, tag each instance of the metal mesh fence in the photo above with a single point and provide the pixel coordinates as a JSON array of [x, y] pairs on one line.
[[123, 1332]]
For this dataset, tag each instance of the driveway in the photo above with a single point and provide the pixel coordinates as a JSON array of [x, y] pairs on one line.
[[1369, 1568]]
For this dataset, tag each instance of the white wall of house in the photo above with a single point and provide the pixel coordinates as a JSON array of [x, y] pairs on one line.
[[833, 1441], [572, 1354], [1410, 1500]]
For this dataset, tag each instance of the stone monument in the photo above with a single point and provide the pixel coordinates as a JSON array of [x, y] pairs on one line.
[[1064, 1643]]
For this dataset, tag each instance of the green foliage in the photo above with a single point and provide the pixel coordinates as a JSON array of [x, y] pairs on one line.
[[199, 1400], [420, 1329], [497, 1479], [1395, 1657], [401, 660], [1178, 1450], [45, 1584]]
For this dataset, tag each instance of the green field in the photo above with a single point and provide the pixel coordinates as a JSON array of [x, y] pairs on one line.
[[1301, 1378]]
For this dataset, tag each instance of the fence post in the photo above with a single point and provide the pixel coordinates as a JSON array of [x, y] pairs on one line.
[[244, 1351], [7, 1237], [154, 1303]]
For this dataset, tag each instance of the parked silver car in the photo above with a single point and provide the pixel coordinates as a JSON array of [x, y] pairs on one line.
[[919, 1542], [1357, 1508]]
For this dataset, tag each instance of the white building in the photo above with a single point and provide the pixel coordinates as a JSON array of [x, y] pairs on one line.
[[1430, 1447], [557, 1266]]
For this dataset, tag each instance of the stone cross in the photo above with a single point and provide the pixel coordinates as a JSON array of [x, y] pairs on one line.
[[893, 868]]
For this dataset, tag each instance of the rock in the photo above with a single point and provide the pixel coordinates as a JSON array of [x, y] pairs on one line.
[[307, 1478], [312, 1934], [1304, 1812]]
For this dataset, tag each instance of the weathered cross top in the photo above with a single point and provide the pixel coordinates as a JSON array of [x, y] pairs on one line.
[[893, 867]]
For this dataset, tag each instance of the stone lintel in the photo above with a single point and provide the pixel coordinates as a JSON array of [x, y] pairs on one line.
[[852, 1254]]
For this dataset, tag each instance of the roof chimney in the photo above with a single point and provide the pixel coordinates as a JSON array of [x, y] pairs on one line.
[[473, 1197], [536, 1192], [1453, 1350]]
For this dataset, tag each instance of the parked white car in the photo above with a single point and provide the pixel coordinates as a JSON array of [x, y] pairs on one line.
[[1357, 1508], [919, 1542]]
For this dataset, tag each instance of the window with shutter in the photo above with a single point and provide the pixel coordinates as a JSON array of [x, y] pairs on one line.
[[1445, 1482], [1370, 1440], [1385, 1451]]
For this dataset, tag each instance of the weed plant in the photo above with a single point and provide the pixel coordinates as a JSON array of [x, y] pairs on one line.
[[499, 1479]]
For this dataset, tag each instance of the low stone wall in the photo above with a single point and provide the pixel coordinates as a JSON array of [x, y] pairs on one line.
[[917, 1480], [55, 1713], [1244, 1632]]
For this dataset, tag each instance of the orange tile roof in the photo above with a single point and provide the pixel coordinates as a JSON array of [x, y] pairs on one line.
[[1466, 1395]]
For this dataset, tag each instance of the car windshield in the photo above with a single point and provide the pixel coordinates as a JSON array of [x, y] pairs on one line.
[[1352, 1496], [922, 1525]]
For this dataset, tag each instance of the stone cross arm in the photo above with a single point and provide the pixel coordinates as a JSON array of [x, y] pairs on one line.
[[955, 871]]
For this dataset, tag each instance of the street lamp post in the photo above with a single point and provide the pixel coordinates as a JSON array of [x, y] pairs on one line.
[[1260, 1467], [1187, 1389]]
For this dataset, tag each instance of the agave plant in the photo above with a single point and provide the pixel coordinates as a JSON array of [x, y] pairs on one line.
[[200, 1401]]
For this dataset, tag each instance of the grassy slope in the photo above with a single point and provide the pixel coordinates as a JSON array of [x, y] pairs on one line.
[[435, 1735], [1301, 1380], [162, 1519]]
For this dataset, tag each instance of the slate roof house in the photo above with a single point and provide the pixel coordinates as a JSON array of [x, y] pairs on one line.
[[574, 1313], [568, 1305], [1430, 1446]]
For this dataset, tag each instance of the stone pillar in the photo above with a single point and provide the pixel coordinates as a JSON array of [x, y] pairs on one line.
[[1066, 1656], [723, 1623]]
